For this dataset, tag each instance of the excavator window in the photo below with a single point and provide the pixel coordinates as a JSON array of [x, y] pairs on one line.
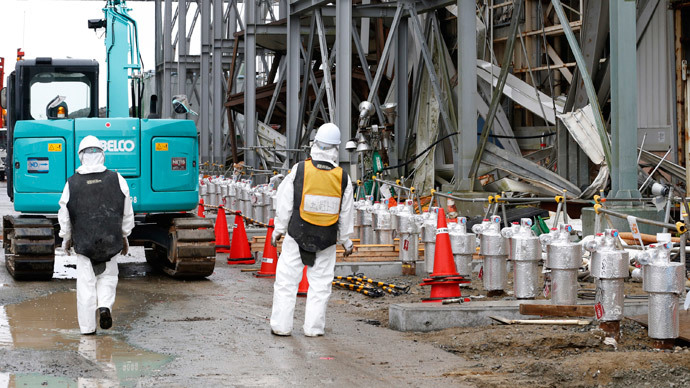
[[60, 96]]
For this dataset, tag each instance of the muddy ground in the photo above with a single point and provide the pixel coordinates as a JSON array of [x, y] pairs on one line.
[[545, 355]]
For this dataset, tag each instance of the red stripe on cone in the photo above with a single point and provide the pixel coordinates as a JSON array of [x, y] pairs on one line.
[[200, 210], [240, 253], [444, 265], [269, 259], [304, 284], [221, 230]]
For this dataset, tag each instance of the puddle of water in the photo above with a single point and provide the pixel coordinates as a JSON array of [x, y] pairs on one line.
[[50, 323]]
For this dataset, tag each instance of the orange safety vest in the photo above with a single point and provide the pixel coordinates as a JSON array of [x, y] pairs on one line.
[[318, 193]]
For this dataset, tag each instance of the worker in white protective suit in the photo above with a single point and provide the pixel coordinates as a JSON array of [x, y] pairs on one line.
[[315, 212], [95, 218]]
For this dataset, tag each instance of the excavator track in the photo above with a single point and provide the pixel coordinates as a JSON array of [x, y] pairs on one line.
[[29, 244], [192, 249]]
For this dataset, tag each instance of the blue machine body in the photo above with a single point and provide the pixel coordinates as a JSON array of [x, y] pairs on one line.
[[157, 157]]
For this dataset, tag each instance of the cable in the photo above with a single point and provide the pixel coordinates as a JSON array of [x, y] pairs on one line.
[[419, 155]]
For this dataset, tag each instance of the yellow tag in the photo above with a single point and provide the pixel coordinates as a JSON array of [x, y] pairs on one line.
[[54, 147], [161, 146]]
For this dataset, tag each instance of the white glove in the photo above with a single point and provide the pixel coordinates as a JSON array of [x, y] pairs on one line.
[[275, 237], [67, 246], [349, 246]]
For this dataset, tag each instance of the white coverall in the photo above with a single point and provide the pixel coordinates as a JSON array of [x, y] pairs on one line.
[[289, 268], [94, 291]]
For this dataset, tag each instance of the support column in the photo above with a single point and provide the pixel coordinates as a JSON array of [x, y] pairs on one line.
[[343, 73], [218, 100], [401, 83], [204, 114], [250, 82], [467, 89], [166, 98], [292, 92], [158, 12], [183, 51], [623, 99]]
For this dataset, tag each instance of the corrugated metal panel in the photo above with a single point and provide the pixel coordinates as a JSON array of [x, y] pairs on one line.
[[655, 81]]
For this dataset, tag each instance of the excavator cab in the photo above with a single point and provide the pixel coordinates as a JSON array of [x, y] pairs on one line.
[[157, 157]]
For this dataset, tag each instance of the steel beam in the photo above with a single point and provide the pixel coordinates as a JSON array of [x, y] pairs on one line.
[[218, 102], [401, 86], [250, 82], [326, 64], [343, 72], [623, 99], [292, 92], [467, 89], [166, 97], [203, 124]]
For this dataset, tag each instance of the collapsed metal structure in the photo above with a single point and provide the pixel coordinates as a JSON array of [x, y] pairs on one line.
[[412, 83]]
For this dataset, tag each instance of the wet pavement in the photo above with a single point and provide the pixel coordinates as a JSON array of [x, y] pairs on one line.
[[212, 332]]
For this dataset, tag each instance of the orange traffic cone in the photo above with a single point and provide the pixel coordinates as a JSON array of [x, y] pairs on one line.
[[444, 281], [444, 265], [221, 229], [269, 260], [304, 284], [240, 253], [200, 210]]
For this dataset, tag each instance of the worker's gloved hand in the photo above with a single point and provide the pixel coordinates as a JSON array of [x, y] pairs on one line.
[[275, 237], [67, 246], [125, 246], [349, 246]]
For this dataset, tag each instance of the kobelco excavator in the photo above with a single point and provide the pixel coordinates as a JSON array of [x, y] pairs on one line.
[[52, 105]]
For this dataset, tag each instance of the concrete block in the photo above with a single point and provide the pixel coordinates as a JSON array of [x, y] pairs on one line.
[[375, 269], [424, 317]]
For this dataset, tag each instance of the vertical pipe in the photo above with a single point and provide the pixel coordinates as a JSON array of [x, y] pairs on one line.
[[159, 47], [343, 69], [166, 98], [401, 88], [217, 77], [182, 49], [623, 43], [467, 88], [250, 82], [204, 140], [292, 93]]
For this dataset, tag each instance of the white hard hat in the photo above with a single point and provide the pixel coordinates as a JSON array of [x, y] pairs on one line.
[[89, 142], [328, 133]]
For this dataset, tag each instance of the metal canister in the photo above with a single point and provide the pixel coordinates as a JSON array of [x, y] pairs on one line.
[[203, 191], [409, 241], [463, 245], [358, 216], [212, 199], [367, 229], [383, 225], [494, 249], [257, 200], [231, 199], [266, 193], [429, 223], [525, 252], [245, 205], [609, 267], [664, 281], [224, 192], [274, 204], [563, 258]]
